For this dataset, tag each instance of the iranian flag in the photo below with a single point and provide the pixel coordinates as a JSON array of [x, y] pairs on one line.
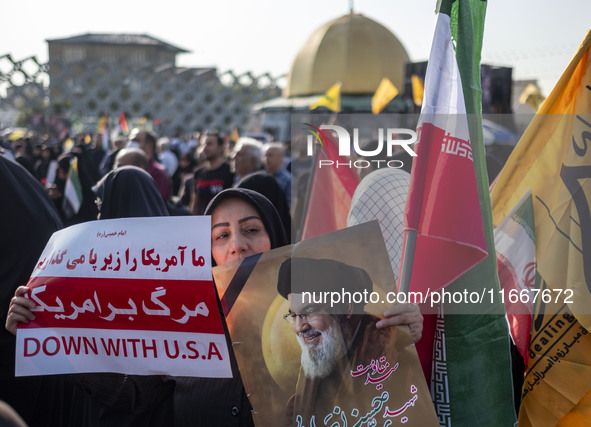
[[73, 190], [123, 124], [449, 212], [516, 261]]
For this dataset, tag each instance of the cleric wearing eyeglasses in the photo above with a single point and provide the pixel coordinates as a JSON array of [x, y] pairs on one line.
[[335, 338]]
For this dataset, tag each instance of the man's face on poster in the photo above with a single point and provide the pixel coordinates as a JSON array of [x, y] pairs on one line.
[[323, 337]]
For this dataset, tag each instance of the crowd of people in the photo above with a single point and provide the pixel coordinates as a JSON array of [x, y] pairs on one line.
[[143, 175], [188, 171]]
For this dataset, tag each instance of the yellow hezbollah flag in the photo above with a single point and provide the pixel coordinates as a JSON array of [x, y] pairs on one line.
[[553, 159], [558, 372], [102, 124], [532, 96], [385, 92], [68, 144], [580, 415], [331, 99], [234, 135], [418, 88]]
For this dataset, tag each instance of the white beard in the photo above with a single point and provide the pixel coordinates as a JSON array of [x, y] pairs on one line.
[[318, 361]]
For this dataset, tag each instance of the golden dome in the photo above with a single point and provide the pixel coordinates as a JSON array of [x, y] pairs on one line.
[[354, 50]]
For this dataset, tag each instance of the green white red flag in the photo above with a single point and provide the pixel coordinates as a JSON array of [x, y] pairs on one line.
[[449, 207], [123, 124], [516, 262], [73, 190], [443, 205]]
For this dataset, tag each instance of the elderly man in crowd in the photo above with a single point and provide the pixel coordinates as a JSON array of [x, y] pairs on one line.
[[273, 163], [166, 157], [246, 158]]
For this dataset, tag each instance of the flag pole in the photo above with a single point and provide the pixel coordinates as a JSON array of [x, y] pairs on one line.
[[333, 118], [302, 221], [409, 253]]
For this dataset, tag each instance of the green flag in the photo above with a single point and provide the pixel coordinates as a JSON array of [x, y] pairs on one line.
[[471, 379]]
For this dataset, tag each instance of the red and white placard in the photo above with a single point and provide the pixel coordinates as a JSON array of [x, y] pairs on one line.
[[132, 296]]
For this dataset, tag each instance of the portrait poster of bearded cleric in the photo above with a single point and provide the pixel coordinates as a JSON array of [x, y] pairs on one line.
[[308, 354]]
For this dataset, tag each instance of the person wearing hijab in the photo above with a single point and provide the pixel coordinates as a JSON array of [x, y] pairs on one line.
[[131, 156], [268, 214], [114, 399], [28, 219], [127, 192], [244, 223], [267, 185]]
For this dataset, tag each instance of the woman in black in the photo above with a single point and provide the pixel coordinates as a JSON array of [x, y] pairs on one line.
[[218, 402], [28, 219], [265, 184], [127, 192], [106, 399]]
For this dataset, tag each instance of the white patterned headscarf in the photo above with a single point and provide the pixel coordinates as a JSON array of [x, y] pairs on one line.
[[381, 195]]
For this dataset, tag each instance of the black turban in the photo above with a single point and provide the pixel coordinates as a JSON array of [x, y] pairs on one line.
[[320, 275]]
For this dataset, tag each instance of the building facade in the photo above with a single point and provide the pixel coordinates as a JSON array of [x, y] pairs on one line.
[[94, 74]]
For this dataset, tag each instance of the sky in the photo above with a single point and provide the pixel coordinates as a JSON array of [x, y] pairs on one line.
[[535, 37]]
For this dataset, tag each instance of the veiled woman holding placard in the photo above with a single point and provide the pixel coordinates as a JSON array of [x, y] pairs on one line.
[[111, 399]]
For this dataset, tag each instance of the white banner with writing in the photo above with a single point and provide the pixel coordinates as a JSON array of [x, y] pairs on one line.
[[130, 295]]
